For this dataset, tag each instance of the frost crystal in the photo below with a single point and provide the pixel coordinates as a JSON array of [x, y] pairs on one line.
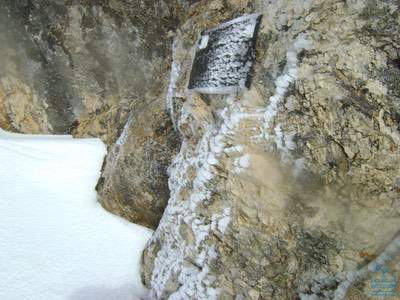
[[225, 56]]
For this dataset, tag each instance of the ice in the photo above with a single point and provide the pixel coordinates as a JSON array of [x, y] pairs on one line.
[[124, 135], [204, 41], [241, 163], [56, 241], [175, 69]]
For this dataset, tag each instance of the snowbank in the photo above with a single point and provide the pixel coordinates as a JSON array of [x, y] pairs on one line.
[[56, 241]]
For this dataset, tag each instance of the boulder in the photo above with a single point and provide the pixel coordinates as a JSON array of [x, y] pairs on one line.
[[134, 181]]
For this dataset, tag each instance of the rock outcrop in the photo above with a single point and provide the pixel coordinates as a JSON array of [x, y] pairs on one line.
[[82, 68], [281, 191]]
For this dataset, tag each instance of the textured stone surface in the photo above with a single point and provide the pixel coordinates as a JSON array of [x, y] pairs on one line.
[[88, 63], [279, 191], [134, 182]]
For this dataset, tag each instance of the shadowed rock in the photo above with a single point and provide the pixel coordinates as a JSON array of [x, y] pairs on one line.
[[134, 181]]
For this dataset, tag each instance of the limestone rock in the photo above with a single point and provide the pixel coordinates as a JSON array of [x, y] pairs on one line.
[[279, 191]]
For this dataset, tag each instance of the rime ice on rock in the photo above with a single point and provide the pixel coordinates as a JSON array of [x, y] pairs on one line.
[[224, 57]]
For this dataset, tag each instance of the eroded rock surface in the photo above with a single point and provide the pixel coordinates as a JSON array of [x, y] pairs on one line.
[[278, 192]]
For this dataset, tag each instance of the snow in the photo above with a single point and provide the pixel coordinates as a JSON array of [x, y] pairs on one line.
[[237, 148], [221, 222], [124, 135], [241, 163], [56, 241], [173, 78], [204, 41], [250, 20], [194, 173], [170, 260], [285, 140]]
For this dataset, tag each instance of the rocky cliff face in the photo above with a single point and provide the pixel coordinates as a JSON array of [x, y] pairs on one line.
[[280, 191], [88, 63], [85, 68]]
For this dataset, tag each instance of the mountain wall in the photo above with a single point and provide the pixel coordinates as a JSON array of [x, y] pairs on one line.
[[287, 190]]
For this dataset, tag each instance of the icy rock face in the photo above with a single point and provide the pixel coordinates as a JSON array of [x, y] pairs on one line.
[[82, 68], [282, 190]]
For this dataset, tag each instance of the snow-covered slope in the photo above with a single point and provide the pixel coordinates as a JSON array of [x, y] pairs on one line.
[[56, 241]]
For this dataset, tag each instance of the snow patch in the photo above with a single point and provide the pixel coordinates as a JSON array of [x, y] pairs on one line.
[[221, 222], [57, 242], [233, 149], [204, 41], [284, 141], [241, 163]]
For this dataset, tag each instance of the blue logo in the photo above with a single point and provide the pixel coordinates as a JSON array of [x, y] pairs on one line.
[[383, 283]]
